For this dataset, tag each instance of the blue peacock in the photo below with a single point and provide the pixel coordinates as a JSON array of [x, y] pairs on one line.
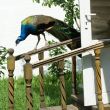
[[38, 24]]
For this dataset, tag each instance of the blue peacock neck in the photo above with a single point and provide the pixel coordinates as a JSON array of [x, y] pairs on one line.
[[26, 29]]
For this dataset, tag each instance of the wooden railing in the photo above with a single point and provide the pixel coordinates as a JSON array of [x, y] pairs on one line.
[[60, 58], [35, 51], [72, 53]]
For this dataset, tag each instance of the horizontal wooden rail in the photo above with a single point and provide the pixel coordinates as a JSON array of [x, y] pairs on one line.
[[72, 53], [35, 51]]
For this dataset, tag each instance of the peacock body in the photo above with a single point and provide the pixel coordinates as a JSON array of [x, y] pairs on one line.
[[38, 24]]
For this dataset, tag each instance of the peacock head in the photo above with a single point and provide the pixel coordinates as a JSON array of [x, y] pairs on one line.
[[17, 42], [19, 39]]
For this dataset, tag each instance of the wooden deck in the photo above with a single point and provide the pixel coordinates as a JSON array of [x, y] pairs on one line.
[[69, 107], [106, 107]]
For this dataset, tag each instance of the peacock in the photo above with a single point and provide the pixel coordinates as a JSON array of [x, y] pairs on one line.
[[38, 24]]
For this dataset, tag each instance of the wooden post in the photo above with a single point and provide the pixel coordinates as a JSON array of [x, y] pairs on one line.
[[74, 89], [11, 67], [98, 79], [41, 79], [28, 80], [62, 85]]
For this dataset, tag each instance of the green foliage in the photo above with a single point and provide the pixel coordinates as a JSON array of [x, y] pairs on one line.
[[53, 68], [69, 6], [53, 74], [3, 53], [52, 89], [52, 92], [19, 85], [3, 94]]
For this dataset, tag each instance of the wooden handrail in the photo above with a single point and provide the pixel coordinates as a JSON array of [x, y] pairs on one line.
[[35, 51], [72, 53]]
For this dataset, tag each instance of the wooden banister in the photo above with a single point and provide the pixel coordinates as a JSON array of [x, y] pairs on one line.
[[41, 81], [62, 84], [28, 80], [11, 67], [35, 51], [98, 79], [72, 53]]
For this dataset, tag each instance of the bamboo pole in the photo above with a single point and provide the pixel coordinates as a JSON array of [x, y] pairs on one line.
[[62, 84], [11, 67], [41, 79], [28, 80], [98, 79]]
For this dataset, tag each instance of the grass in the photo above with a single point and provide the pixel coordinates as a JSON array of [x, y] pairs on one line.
[[52, 92]]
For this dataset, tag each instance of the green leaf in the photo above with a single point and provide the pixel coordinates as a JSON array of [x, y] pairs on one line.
[[3, 53], [38, 1], [69, 6]]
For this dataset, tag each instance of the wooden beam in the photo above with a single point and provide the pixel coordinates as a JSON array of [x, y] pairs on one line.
[[11, 68], [69, 107], [62, 84], [35, 51], [98, 79], [28, 80], [74, 87], [72, 53], [41, 82]]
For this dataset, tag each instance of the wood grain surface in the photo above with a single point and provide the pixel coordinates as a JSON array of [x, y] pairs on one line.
[[100, 22]]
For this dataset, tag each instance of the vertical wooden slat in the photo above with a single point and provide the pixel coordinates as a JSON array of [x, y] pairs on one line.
[[41, 79], [11, 67], [74, 89], [98, 79], [62, 84], [28, 80]]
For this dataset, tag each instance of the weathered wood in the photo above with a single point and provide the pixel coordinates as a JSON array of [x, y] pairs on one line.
[[72, 53], [74, 89], [35, 51], [106, 107], [69, 107], [41, 79], [11, 67], [28, 80], [98, 79], [62, 84], [101, 22]]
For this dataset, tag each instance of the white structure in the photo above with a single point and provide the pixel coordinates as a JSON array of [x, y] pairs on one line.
[[95, 26]]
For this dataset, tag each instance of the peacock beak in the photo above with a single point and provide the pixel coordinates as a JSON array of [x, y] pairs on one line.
[[17, 42]]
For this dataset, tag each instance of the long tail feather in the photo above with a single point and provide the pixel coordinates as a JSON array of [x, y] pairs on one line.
[[63, 32]]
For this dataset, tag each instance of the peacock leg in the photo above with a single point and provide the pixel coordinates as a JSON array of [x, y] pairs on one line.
[[44, 36], [46, 42], [37, 41]]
